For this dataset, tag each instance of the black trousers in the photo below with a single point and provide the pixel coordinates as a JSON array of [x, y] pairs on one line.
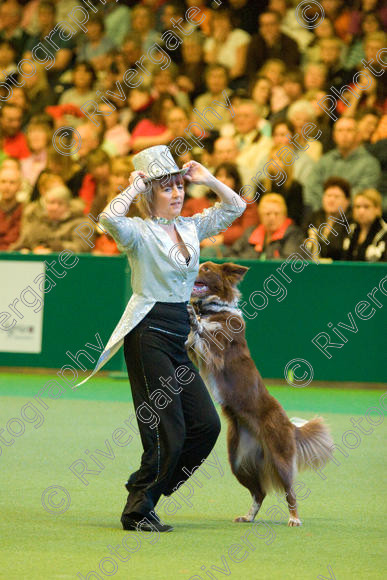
[[185, 425]]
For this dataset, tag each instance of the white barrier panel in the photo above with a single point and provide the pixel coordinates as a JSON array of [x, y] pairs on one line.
[[21, 306]]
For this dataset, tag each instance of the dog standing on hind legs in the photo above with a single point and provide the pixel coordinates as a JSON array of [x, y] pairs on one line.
[[265, 448]]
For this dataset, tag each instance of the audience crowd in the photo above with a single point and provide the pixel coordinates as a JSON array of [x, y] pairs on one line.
[[292, 117]]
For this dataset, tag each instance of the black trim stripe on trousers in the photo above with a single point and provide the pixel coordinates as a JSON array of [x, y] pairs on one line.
[[189, 424]]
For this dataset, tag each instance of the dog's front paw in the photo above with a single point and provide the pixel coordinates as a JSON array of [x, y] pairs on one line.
[[293, 522], [193, 319], [243, 519]]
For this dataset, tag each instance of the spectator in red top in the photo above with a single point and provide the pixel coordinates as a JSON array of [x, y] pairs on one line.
[[96, 181], [15, 142], [10, 208], [276, 236], [154, 131]]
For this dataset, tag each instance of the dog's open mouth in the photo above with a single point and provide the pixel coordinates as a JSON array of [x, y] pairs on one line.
[[199, 288]]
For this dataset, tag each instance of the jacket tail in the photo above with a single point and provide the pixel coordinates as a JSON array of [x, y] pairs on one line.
[[314, 444]]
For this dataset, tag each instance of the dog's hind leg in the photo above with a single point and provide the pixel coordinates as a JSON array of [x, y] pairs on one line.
[[242, 450], [285, 472]]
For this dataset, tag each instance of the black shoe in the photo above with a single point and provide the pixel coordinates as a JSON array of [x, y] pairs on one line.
[[141, 523]]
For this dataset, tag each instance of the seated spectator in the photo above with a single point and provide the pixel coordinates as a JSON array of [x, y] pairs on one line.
[[97, 44], [274, 71], [290, 24], [227, 45], [371, 95], [54, 230], [367, 122], [280, 179], [348, 158], [24, 192], [332, 53], [38, 139], [117, 22], [378, 148], [19, 98], [47, 180], [143, 26], [364, 8], [14, 140], [252, 141], [172, 12], [313, 52], [139, 106], [117, 137], [96, 180], [40, 93], [91, 138], [154, 131], [216, 81], [7, 58], [368, 238], [10, 209], [65, 48], [203, 15], [245, 14], [276, 236], [270, 43], [371, 23], [121, 168], [261, 95], [299, 114], [293, 87], [315, 77], [336, 196], [10, 18], [177, 122], [192, 68], [83, 79], [63, 165], [283, 133], [339, 14], [164, 81]]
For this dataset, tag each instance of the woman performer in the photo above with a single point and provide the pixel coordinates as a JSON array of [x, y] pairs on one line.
[[163, 252]]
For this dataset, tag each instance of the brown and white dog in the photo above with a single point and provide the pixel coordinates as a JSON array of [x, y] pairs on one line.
[[265, 448]]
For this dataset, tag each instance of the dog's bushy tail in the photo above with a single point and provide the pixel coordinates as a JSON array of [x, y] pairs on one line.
[[314, 444]]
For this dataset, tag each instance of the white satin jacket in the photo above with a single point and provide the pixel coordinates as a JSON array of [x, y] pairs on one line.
[[159, 272]]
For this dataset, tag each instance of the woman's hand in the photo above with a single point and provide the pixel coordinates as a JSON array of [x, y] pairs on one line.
[[198, 174], [136, 179]]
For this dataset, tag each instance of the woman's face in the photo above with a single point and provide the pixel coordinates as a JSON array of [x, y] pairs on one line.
[[272, 216], [37, 139], [280, 135], [333, 199], [225, 178], [261, 91], [56, 207], [168, 198], [82, 78], [364, 211]]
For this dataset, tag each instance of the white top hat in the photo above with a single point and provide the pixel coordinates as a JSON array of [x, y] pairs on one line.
[[156, 162]]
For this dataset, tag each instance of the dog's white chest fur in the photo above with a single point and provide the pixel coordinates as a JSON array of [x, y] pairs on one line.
[[211, 385]]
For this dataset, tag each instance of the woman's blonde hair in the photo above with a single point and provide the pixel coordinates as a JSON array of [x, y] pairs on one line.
[[145, 201], [373, 196], [269, 182], [60, 192], [273, 198]]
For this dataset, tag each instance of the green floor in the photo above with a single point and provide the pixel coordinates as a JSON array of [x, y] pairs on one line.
[[343, 532]]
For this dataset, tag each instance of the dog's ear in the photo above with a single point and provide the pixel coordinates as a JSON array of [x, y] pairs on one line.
[[235, 271]]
